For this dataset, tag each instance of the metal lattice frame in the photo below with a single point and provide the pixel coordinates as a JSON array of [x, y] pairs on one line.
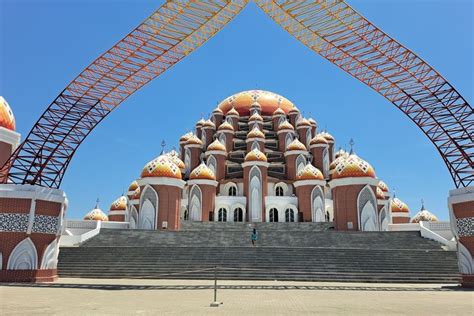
[[330, 28], [344, 37]]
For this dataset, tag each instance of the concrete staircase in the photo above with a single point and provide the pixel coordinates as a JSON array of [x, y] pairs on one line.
[[285, 251]]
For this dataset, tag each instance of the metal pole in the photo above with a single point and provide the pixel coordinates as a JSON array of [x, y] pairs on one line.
[[215, 303]]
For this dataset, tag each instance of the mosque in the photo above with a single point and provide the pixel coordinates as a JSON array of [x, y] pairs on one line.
[[257, 159]]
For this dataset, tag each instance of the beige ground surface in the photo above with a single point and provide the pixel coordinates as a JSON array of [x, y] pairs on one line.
[[187, 297]]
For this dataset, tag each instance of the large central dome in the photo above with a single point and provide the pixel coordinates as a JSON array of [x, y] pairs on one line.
[[268, 101]]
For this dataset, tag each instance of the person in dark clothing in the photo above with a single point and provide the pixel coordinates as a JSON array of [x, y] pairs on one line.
[[254, 237]]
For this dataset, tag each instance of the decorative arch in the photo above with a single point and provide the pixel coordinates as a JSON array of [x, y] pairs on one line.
[[255, 145], [133, 217], [50, 256], [149, 203], [308, 137], [318, 213], [384, 219], [23, 256], [187, 162], [288, 139], [238, 212], [300, 163], [293, 213], [281, 189], [325, 163], [222, 138], [212, 163], [231, 189], [330, 28], [255, 194], [195, 203], [367, 209]]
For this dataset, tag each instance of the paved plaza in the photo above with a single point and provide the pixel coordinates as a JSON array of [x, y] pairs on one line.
[[192, 297]]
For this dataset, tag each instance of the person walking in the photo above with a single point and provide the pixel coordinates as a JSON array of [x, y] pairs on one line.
[[254, 237]]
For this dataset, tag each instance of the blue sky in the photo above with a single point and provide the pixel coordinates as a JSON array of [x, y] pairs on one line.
[[45, 44]]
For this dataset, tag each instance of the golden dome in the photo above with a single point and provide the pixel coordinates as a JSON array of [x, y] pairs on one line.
[[96, 215], [278, 111], [243, 101], [336, 161], [133, 186], [136, 194], [340, 152], [226, 126], [255, 155], [161, 166], [285, 125], [312, 121], [216, 145], [200, 122], [193, 140], [256, 105], [425, 216], [232, 111], [185, 137], [294, 110], [379, 194], [217, 110], [176, 160], [398, 206], [328, 137], [295, 145], [119, 204], [353, 167], [255, 117], [309, 172], [382, 186], [7, 120], [255, 133], [303, 122], [318, 139], [208, 123], [202, 172]]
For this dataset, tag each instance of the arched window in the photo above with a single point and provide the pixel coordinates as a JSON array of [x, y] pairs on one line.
[[328, 217], [148, 209], [289, 215], [281, 120], [255, 202], [23, 256], [203, 138], [187, 161], [325, 162], [222, 138], [288, 139], [222, 215], [383, 219], [366, 206], [279, 191], [308, 137], [233, 191], [212, 163], [273, 215], [300, 163], [255, 145], [317, 200], [238, 215], [195, 212]]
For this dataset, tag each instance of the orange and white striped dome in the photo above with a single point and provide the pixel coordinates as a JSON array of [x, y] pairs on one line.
[[318, 140], [303, 122], [216, 145], [208, 124], [424, 216], [256, 117], [161, 166], [309, 172], [226, 126], [379, 194], [353, 167], [193, 140], [285, 125], [255, 155], [232, 112], [200, 122], [96, 215], [328, 137], [7, 119], [119, 204], [255, 133], [312, 121], [185, 137], [278, 111], [295, 145], [256, 105], [202, 172], [176, 160], [244, 100], [294, 111], [336, 161], [340, 152], [133, 186], [398, 206], [136, 194], [217, 110], [383, 186]]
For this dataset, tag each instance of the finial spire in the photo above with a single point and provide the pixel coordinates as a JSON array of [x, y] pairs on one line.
[[163, 144], [422, 204], [97, 203], [351, 144]]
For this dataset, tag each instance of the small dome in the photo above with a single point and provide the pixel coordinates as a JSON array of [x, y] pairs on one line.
[[217, 110], [136, 194], [255, 133], [336, 161], [424, 216], [7, 120], [379, 194], [256, 105], [226, 126], [353, 167], [202, 172], [295, 145], [312, 121], [176, 160], [119, 204], [208, 123], [161, 166], [255, 117], [244, 101], [398, 206], [233, 111], [278, 111], [185, 137], [328, 137], [309, 172], [96, 215], [303, 122], [285, 125], [193, 140], [133, 186], [200, 122], [382, 186], [294, 111], [340, 152], [216, 145], [318, 139], [255, 155]]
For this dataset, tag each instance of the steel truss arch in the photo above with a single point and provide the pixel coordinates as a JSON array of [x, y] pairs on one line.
[[331, 28]]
